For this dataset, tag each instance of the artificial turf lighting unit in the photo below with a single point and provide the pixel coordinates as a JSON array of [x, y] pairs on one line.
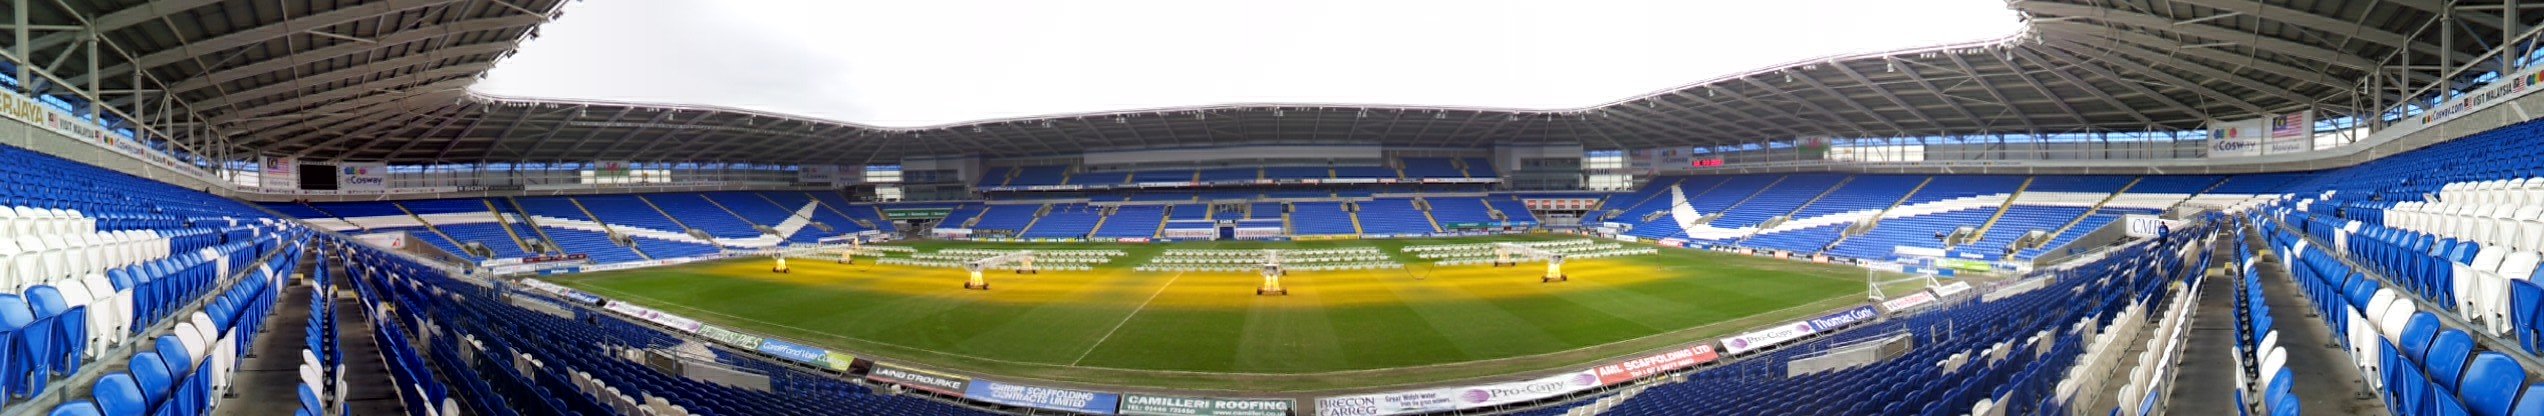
[[1502, 253], [1272, 275], [1024, 259]]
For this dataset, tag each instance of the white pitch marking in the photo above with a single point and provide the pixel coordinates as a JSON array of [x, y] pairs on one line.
[[1126, 319]]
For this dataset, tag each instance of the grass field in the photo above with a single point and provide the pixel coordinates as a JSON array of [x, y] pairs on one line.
[[1208, 331]]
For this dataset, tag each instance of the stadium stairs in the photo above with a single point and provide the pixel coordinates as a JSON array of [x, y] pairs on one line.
[[675, 220], [2000, 213], [2089, 213], [453, 246], [510, 234], [531, 222]]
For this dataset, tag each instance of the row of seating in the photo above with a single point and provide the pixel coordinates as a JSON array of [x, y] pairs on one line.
[[2477, 282], [186, 369], [2419, 364], [2262, 374], [2065, 206], [1969, 355], [1415, 168], [722, 214], [1394, 216], [322, 369], [574, 359]]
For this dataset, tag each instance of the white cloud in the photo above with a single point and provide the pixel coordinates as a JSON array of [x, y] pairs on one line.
[[915, 63]]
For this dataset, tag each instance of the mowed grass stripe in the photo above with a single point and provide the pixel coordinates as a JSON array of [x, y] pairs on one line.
[[1049, 332], [1479, 328], [1283, 338]]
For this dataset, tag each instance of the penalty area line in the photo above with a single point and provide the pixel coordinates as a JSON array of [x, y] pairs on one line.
[[1126, 319]]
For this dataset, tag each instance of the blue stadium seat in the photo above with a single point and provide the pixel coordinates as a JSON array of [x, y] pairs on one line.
[[2492, 384], [119, 395], [76, 409]]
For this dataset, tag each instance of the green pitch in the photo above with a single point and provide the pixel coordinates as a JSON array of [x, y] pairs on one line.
[[1208, 331]]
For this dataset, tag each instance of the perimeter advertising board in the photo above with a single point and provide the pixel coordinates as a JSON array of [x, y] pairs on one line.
[[1043, 397], [2485, 97], [1664, 362], [1763, 338], [1497, 394], [940, 383], [727, 337], [685, 325], [794, 352], [1911, 301], [1842, 319], [1146, 405], [1392, 403], [1454, 398]]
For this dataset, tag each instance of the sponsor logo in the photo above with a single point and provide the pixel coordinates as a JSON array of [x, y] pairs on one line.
[[919, 379], [1042, 397], [1143, 405], [2231, 145], [1842, 319]]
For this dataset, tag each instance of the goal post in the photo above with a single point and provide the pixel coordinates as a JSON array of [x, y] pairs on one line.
[[1916, 264]]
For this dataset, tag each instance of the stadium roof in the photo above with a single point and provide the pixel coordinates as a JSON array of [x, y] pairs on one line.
[[386, 80]]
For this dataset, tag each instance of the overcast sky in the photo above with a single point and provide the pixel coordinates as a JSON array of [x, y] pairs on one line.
[[928, 62]]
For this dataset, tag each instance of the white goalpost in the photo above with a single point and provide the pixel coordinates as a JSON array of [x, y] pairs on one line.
[[1924, 258]]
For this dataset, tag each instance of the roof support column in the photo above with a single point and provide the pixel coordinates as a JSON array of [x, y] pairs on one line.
[[90, 78], [2446, 44], [2509, 31], [18, 15]]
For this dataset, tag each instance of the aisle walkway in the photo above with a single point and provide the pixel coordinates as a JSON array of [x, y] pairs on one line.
[[268, 381], [2326, 382], [2207, 383]]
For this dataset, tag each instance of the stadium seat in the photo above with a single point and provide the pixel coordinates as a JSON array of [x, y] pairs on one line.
[[2492, 384], [76, 409], [120, 395]]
